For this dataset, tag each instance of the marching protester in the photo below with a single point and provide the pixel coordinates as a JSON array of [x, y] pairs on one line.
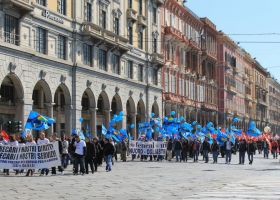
[[90, 155], [60, 149], [98, 153], [80, 152], [30, 141], [169, 150], [123, 150], [215, 151], [206, 149], [228, 147], [43, 140], [265, 147], [108, 151], [185, 149], [195, 150], [251, 151], [65, 155], [274, 149], [242, 150], [177, 149]]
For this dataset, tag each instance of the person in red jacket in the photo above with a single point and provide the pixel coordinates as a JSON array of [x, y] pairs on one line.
[[274, 149]]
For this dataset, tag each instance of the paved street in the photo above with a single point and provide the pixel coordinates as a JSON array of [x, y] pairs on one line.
[[153, 180]]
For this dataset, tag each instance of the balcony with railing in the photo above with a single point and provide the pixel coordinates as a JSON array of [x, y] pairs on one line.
[[174, 34], [142, 20], [107, 37], [157, 58], [131, 14], [22, 6]]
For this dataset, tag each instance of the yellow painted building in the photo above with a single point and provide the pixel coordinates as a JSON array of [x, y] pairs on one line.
[[53, 5]]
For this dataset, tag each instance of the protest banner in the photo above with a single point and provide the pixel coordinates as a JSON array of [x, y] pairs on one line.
[[147, 148], [29, 156]]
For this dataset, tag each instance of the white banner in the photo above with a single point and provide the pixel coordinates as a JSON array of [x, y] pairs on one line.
[[29, 156], [147, 148]]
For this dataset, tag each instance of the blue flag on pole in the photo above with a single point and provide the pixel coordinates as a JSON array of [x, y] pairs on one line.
[[104, 130]]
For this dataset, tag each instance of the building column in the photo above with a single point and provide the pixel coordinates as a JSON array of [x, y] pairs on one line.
[[68, 120], [50, 114], [93, 121], [133, 131], [41, 99], [107, 118], [2, 25]]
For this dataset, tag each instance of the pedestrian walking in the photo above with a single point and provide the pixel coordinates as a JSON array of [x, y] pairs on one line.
[[60, 149], [80, 152], [65, 152], [178, 149], [242, 150], [169, 150], [43, 140], [274, 149], [228, 147], [195, 150], [98, 153], [30, 141], [185, 149], [215, 151], [206, 149], [251, 151], [90, 155], [123, 150], [108, 151], [265, 147]]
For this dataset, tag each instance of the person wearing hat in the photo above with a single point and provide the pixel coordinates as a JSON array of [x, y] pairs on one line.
[[108, 151], [80, 152]]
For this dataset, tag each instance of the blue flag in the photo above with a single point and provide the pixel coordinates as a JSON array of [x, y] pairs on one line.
[[104, 130]]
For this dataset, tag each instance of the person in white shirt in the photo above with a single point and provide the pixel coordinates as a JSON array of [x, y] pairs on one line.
[[65, 156], [40, 141], [80, 152]]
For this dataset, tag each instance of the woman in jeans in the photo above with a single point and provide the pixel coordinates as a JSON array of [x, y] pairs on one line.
[[65, 156]]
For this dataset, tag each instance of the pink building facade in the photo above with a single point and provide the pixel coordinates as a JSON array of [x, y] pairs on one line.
[[189, 73]]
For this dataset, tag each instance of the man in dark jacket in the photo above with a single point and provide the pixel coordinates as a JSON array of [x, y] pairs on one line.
[[205, 149], [185, 149], [123, 150], [242, 151], [98, 152], [215, 151], [251, 151], [169, 150], [90, 155], [108, 151], [178, 149]]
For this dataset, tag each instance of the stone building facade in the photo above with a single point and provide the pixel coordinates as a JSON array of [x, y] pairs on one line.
[[80, 58], [273, 104]]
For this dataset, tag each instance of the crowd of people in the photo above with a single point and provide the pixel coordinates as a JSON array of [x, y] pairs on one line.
[[88, 154], [183, 150], [85, 155]]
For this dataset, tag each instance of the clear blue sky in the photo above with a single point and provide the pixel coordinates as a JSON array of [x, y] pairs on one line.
[[247, 16]]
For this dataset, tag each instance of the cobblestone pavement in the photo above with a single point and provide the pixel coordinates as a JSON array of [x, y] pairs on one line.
[[154, 180]]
